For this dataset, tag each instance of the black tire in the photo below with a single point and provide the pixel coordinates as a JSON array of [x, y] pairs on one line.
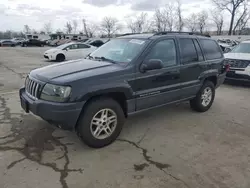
[[196, 103], [60, 58], [84, 124]]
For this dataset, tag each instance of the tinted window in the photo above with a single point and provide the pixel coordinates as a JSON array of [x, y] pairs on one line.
[[211, 49], [164, 50], [74, 46], [188, 51], [83, 46], [198, 49]]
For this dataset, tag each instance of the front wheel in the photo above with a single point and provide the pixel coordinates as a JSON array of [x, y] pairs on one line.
[[205, 97], [101, 122], [60, 58]]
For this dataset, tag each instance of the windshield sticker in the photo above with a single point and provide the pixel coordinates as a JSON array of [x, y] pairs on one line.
[[136, 41]]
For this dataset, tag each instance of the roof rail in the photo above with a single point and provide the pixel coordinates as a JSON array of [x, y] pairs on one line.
[[178, 32]]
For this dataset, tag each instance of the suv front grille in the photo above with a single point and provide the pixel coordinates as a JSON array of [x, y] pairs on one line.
[[32, 88], [239, 63]]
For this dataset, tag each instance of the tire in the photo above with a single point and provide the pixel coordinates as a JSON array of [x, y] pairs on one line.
[[85, 128], [60, 58], [198, 104]]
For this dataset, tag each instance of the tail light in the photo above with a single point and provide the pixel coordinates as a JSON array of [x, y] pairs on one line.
[[227, 67]]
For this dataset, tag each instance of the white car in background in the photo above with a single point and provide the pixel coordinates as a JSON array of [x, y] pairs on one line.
[[69, 51], [239, 60]]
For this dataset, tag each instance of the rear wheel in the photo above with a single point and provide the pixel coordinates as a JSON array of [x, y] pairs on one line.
[[205, 97], [100, 123], [60, 57]]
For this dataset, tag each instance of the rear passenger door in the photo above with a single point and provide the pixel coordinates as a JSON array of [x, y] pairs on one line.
[[192, 65]]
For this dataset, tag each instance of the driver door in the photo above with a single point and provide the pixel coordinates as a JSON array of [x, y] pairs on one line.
[[160, 86], [71, 52]]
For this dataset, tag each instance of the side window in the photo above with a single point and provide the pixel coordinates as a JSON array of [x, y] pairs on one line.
[[211, 49], [69, 47], [198, 49], [83, 46], [165, 51], [74, 46], [188, 51]]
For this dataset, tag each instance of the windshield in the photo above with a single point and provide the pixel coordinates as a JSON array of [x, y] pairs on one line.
[[120, 50], [241, 48], [63, 46]]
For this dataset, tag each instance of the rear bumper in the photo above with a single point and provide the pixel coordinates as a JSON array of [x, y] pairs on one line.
[[63, 114], [221, 79]]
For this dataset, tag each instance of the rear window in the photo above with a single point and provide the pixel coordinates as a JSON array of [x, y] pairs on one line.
[[211, 49]]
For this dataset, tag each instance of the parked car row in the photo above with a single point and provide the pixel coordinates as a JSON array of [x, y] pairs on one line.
[[227, 44]]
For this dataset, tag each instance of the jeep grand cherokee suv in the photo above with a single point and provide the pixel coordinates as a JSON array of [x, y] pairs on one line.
[[129, 74]]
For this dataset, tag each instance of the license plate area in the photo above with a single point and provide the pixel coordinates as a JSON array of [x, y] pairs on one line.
[[25, 105]]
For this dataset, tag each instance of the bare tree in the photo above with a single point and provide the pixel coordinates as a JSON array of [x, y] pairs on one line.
[[158, 21], [180, 24], [68, 28], [89, 29], [110, 25], [75, 25], [169, 16], [241, 19], [47, 27], [232, 6], [192, 22], [138, 24], [131, 25], [218, 20], [202, 20], [26, 29]]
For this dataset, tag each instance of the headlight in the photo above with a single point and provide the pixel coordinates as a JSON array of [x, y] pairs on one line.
[[55, 93]]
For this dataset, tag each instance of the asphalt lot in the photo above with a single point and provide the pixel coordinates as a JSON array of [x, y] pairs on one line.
[[170, 147]]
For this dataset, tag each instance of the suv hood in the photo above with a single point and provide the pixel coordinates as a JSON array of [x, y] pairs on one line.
[[67, 68], [239, 56]]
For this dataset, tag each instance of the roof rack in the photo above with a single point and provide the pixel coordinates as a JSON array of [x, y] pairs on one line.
[[178, 32]]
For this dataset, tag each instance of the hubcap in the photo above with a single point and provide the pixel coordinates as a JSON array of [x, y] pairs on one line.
[[206, 96], [103, 123]]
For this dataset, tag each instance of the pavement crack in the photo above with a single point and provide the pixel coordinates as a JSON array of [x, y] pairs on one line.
[[160, 166], [37, 140], [21, 75], [143, 136], [15, 162]]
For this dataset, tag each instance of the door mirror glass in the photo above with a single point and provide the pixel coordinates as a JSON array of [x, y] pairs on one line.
[[151, 64]]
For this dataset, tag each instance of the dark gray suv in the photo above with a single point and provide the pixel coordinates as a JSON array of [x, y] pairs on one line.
[[129, 74]]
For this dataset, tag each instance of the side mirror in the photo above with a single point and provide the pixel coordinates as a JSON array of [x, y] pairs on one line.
[[151, 64]]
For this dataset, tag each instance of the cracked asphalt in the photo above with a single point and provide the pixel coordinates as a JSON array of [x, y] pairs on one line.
[[167, 147]]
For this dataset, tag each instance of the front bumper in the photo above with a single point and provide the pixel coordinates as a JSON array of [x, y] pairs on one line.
[[64, 115], [235, 76], [49, 57]]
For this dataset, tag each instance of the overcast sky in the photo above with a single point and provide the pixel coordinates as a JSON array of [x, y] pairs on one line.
[[14, 14]]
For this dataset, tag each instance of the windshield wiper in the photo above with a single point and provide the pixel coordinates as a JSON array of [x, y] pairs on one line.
[[105, 59], [89, 57]]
